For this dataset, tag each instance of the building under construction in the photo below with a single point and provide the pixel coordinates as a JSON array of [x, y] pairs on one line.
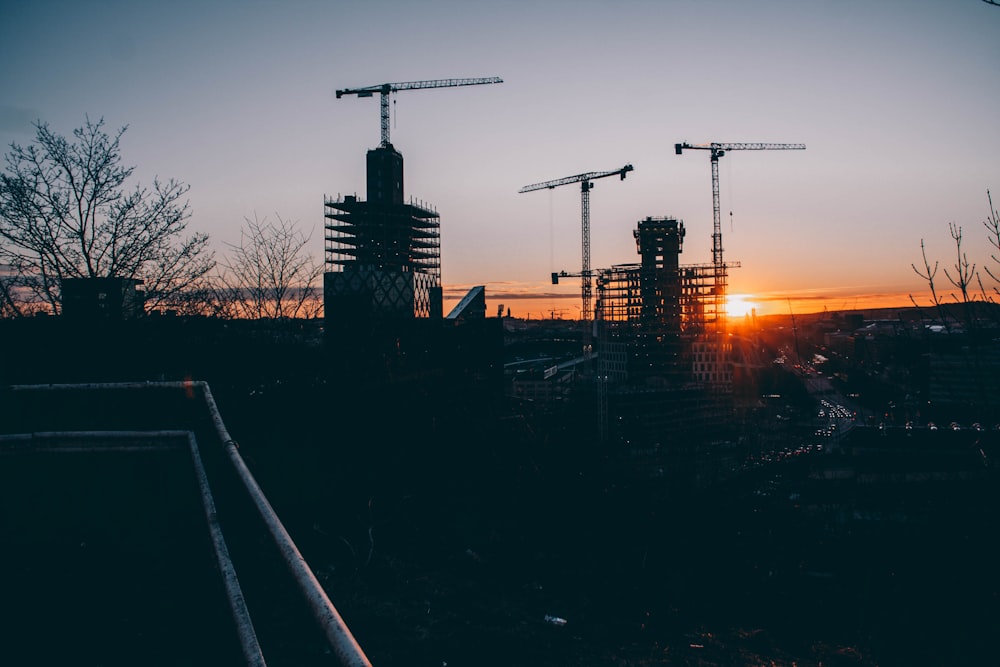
[[382, 292], [383, 255], [669, 313], [663, 370]]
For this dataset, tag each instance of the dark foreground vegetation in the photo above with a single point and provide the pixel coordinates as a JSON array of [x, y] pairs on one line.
[[449, 530], [468, 546]]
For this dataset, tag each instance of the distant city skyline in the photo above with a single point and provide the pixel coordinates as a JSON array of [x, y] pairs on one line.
[[896, 102]]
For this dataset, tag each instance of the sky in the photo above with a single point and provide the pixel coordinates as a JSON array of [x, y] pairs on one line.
[[896, 101]]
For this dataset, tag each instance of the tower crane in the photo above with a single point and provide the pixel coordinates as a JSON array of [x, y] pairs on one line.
[[719, 269], [586, 185], [385, 89], [717, 150]]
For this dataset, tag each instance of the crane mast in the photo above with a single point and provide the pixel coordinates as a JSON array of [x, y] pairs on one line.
[[385, 89], [586, 185]]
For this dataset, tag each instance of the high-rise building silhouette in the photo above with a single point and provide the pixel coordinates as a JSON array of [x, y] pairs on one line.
[[383, 297], [659, 390], [642, 306], [383, 255]]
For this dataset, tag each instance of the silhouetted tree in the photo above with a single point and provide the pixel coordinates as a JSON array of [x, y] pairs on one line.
[[66, 211], [9, 304], [270, 273], [964, 276], [975, 305], [992, 224]]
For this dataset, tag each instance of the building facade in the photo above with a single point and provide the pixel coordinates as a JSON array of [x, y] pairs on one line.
[[383, 254]]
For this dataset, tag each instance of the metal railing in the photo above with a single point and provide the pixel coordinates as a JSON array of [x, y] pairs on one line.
[[339, 636]]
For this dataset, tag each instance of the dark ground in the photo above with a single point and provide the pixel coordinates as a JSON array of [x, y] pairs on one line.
[[456, 553], [448, 532]]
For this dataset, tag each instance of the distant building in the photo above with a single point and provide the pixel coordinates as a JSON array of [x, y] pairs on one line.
[[102, 299], [965, 379], [471, 307]]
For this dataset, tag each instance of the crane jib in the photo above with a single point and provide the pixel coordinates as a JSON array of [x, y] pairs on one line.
[[386, 89], [584, 178]]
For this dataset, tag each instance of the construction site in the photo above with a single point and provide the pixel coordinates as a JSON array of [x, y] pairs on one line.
[[629, 460], [564, 492], [654, 355]]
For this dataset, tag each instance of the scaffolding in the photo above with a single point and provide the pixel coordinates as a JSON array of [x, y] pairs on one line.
[[658, 295], [661, 335], [404, 237], [383, 255], [672, 318]]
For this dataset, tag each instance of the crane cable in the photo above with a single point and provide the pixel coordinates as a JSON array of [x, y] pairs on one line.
[[729, 184]]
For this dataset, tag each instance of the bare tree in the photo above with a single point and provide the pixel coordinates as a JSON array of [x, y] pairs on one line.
[[929, 274], [964, 276], [992, 224], [965, 273], [67, 211], [975, 303], [270, 273], [10, 305]]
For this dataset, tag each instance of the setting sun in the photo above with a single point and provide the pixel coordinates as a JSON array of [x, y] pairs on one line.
[[738, 305]]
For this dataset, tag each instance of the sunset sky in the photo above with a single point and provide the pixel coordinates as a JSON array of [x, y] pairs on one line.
[[897, 102]]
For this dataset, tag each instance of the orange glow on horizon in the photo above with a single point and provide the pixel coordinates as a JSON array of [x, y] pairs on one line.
[[538, 301], [805, 302], [739, 305]]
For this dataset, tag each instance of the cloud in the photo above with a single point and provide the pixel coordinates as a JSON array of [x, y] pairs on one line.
[[511, 290], [833, 298], [851, 292], [531, 295]]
